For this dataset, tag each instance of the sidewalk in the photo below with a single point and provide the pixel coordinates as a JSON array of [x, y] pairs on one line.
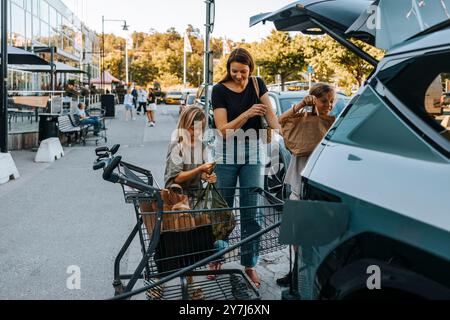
[[63, 214]]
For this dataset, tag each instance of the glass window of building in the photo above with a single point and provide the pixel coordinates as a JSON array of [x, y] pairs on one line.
[[44, 11], [29, 5], [45, 33], [36, 29], [29, 29], [20, 3], [53, 19], [36, 7], [17, 26]]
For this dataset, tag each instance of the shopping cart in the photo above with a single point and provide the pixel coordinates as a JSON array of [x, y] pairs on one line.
[[176, 255]]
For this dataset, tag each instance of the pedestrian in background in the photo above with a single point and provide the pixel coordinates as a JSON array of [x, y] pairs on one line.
[[134, 93], [128, 102], [151, 108], [142, 101]]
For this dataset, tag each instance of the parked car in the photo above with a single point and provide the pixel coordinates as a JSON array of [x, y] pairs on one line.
[[375, 189], [188, 102], [173, 98]]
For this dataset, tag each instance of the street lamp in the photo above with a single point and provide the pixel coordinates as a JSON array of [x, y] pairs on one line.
[[3, 76], [125, 27]]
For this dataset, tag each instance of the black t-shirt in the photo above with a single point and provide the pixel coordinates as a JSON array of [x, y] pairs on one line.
[[238, 103], [151, 97]]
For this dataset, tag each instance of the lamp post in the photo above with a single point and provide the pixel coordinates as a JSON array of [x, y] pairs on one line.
[[125, 28], [3, 79], [210, 20]]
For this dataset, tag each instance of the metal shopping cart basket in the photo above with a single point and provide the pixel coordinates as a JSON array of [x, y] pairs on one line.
[[177, 246]]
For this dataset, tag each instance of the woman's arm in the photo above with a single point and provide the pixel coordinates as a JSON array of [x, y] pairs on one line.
[[270, 115], [221, 118]]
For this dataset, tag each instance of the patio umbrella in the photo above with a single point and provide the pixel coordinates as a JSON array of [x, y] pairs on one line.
[[20, 56], [59, 68]]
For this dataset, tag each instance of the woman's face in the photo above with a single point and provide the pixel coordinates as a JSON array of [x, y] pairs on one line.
[[239, 72], [325, 103]]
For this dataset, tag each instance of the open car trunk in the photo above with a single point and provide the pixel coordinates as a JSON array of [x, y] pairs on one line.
[[374, 22]]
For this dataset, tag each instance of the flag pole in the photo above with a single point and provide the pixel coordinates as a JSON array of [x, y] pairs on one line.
[[185, 63]]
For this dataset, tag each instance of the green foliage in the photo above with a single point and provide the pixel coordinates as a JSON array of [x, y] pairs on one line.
[[280, 55], [158, 56]]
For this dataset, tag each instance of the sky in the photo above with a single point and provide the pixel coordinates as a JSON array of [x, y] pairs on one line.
[[232, 16]]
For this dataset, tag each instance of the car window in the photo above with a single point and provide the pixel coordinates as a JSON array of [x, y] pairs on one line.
[[419, 84], [273, 102], [191, 99], [287, 104], [371, 124], [400, 20]]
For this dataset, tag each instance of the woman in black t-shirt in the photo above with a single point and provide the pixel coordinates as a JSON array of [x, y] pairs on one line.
[[238, 114]]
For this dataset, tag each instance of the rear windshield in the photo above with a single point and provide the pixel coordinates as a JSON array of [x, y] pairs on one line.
[[402, 19]]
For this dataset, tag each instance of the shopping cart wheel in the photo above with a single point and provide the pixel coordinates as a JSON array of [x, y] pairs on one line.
[[119, 288]]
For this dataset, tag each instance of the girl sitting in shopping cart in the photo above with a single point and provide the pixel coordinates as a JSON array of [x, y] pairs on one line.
[[185, 165]]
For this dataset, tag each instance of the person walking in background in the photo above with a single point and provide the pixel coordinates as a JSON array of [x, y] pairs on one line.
[[142, 101], [128, 102], [239, 108], [134, 93], [322, 97], [151, 108]]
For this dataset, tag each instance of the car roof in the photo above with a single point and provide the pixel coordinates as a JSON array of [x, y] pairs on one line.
[[290, 94], [301, 93]]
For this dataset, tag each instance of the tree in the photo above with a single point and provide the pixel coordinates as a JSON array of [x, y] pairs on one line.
[[331, 60], [279, 55], [144, 71]]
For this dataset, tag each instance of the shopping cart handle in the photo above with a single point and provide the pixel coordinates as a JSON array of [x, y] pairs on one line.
[[110, 168], [115, 149], [100, 165], [100, 151]]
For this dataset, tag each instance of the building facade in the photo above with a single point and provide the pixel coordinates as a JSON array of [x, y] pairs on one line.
[[39, 24]]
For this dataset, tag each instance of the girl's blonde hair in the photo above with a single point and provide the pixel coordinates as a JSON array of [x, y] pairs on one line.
[[188, 119]]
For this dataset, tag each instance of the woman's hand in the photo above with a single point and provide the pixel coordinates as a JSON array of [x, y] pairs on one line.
[[207, 168], [307, 101], [210, 178], [258, 110]]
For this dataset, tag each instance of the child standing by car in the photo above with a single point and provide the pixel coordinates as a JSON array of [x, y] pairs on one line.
[[322, 97]]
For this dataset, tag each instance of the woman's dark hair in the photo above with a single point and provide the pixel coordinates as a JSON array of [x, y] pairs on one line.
[[321, 89], [239, 55]]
